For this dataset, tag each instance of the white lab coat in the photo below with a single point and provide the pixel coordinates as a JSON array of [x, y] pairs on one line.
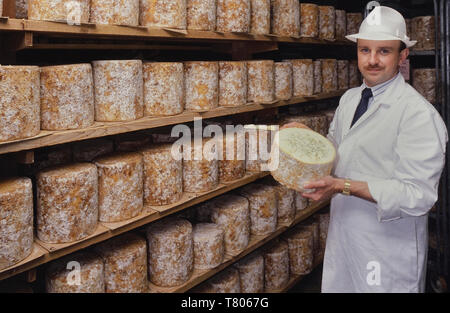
[[398, 148]]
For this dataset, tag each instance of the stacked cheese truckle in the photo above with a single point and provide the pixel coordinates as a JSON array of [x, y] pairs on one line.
[[96, 179]]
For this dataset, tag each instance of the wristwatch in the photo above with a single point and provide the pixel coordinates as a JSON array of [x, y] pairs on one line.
[[346, 190]]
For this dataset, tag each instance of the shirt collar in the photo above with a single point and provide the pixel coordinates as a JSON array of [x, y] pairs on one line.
[[380, 88]]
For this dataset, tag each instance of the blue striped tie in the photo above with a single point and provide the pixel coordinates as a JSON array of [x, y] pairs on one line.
[[362, 106]]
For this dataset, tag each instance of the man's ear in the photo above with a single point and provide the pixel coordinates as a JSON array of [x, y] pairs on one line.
[[403, 55]]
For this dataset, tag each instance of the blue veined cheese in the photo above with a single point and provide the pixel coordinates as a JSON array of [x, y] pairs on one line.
[[302, 155]]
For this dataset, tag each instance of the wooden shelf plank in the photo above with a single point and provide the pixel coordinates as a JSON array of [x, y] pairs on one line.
[[44, 252], [199, 276], [50, 138], [34, 259], [132, 32]]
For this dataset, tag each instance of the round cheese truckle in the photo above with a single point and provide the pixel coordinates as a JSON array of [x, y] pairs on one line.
[[302, 155]]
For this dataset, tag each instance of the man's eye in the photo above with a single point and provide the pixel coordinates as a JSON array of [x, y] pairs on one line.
[[384, 51], [364, 50]]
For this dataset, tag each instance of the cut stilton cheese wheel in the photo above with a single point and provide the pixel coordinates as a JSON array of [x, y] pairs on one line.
[[302, 155]]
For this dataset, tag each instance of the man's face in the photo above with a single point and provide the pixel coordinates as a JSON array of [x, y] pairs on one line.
[[379, 60]]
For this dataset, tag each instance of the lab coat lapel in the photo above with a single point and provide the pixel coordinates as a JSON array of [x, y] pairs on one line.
[[389, 97]]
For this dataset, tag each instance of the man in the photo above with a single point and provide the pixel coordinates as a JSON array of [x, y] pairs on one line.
[[390, 154]]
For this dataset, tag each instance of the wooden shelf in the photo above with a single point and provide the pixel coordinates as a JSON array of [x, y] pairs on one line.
[[62, 29], [199, 276], [44, 252], [101, 129]]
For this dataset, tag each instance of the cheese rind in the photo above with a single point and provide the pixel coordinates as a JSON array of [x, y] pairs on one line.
[[201, 15], [309, 20], [118, 90], [81, 272], [117, 12], [286, 18], [232, 83], [170, 252], [251, 273], [233, 16], [163, 176], [125, 264], [163, 13], [67, 97], [303, 155], [76, 11], [163, 88], [209, 248], [202, 85], [120, 186], [232, 214], [283, 80], [16, 220], [19, 102], [276, 265], [67, 203], [260, 17]]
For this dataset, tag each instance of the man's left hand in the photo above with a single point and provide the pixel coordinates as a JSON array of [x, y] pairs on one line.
[[325, 188]]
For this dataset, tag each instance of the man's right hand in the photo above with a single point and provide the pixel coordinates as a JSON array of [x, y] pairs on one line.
[[294, 124]]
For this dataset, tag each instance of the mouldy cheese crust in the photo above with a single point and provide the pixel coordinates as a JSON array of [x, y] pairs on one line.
[[260, 17], [209, 245], [286, 18], [125, 261], [57, 10], [303, 155], [19, 102], [233, 16], [163, 88], [16, 220], [163, 13], [120, 186], [201, 14], [170, 252], [118, 90], [91, 274], [251, 273], [120, 12], [67, 203], [67, 97]]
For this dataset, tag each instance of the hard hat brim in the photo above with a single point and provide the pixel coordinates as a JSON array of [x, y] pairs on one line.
[[379, 36]]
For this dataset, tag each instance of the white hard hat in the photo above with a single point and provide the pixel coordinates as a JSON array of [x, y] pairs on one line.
[[383, 23]]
